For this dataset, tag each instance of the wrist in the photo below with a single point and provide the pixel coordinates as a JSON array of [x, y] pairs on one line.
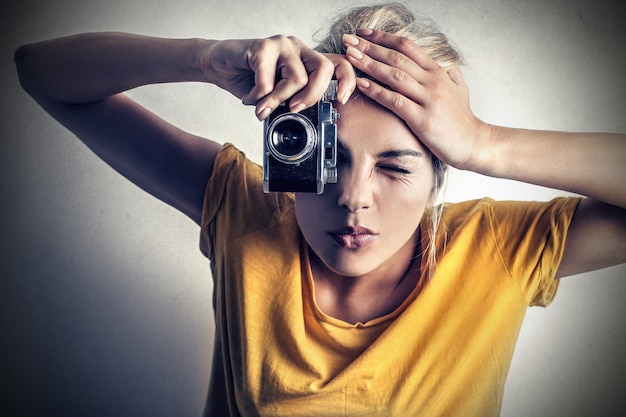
[[480, 155], [202, 65]]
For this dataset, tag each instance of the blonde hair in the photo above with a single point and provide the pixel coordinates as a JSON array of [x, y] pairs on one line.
[[397, 19], [393, 18]]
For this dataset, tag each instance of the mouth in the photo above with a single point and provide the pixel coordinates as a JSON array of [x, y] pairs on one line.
[[353, 237]]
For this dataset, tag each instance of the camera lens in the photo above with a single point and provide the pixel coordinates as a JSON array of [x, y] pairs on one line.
[[291, 138]]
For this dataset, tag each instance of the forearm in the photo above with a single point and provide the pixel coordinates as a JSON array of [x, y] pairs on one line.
[[89, 67], [591, 164]]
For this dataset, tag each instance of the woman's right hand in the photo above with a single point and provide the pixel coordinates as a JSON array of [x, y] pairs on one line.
[[267, 72], [78, 80]]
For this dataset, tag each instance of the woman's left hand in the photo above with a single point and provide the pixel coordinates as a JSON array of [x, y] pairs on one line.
[[432, 101]]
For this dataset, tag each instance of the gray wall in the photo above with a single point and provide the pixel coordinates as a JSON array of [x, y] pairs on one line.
[[105, 298]]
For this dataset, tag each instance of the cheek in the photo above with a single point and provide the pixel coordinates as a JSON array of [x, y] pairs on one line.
[[403, 207], [403, 213], [309, 210]]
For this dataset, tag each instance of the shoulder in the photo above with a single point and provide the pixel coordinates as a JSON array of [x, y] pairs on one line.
[[522, 234], [235, 204], [523, 240], [511, 214]]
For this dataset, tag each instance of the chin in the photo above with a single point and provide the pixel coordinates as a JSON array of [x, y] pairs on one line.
[[349, 267]]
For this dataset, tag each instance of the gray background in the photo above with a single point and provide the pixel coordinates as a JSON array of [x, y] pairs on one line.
[[105, 297]]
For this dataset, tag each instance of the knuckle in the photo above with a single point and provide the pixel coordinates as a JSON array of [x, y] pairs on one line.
[[273, 102], [365, 47], [398, 102], [440, 72], [438, 83], [396, 59], [399, 76], [299, 79], [279, 38], [261, 45], [279, 41], [326, 66], [404, 43]]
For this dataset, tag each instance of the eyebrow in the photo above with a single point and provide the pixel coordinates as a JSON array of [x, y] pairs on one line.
[[392, 153], [397, 153]]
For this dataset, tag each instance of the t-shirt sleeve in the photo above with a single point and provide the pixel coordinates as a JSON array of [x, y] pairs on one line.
[[531, 238], [234, 201]]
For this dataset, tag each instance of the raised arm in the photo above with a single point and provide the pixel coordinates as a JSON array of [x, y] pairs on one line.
[[435, 105], [80, 81], [591, 164]]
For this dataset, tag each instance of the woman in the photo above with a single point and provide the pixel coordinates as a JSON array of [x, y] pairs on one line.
[[367, 299]]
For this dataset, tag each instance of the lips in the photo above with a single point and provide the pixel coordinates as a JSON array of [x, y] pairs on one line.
[[353, 237]]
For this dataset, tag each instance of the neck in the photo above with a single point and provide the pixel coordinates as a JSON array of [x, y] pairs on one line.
[[366, 297]]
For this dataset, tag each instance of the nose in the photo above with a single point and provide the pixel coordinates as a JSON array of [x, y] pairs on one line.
[[355, 189]]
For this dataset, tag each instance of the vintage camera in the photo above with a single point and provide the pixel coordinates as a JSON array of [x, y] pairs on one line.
[[300, 149]]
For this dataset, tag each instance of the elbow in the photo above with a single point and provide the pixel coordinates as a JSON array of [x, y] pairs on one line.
[[24, 71], [32, 74]]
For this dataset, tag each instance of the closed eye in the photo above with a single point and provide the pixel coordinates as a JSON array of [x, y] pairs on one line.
[[395, 169]]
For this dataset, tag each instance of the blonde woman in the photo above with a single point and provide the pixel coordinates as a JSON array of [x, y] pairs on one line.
[[366, 300]]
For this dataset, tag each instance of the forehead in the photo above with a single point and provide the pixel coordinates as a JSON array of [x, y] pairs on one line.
[[366, 124]]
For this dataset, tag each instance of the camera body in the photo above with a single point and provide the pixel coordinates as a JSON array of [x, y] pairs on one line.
[[300, 149]]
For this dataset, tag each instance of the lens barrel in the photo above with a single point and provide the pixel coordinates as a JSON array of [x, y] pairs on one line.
[[291, 138]]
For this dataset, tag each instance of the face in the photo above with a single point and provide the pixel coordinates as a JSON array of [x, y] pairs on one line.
[[368, 222]]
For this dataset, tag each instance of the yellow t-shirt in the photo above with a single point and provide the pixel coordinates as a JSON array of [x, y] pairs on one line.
[[445, 352]]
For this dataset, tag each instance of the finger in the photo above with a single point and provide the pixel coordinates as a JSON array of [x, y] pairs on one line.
[[456, 76], [291, 77], [382, 54], [344, 73], [397, 66], [264, 78], [278, 72], [260, 57], [320, 71], [398, 43], [395, 78], [408, 110]]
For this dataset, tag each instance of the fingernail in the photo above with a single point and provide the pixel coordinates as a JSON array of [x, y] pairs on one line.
[[298, 107], [263, 114], [363, 83], [354, 53], [350, 39], [365, 32], [345, 96]]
